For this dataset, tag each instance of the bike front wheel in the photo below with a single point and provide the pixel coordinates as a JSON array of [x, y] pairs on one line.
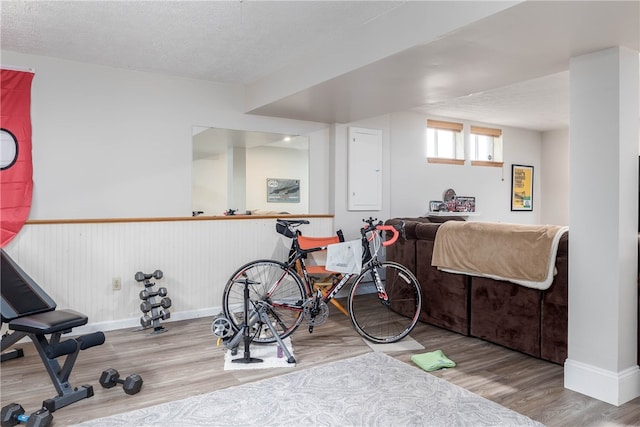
[[388, 311], [275, 284]]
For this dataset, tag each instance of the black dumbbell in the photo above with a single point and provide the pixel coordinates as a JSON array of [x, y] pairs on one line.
[[13, 414], [145, 294], [146, 320], [131, 385], [146, 306]]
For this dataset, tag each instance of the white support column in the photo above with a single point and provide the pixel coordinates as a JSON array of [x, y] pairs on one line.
[[603, 218]]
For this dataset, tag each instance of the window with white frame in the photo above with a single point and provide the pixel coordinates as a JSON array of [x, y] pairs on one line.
[[485, 146], [445, 142]]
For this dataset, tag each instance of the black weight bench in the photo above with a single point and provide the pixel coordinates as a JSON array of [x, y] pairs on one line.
[[30, 312]]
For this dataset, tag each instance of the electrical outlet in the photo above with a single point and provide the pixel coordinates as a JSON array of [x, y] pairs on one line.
[[116, 284]]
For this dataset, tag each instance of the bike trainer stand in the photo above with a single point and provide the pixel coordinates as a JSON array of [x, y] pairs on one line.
[[246, 330]]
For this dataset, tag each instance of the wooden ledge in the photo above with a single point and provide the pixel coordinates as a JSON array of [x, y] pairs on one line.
[[169, 219]]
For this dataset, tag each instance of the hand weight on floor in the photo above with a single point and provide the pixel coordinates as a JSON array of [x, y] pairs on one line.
[[13, 414], [131, 385]]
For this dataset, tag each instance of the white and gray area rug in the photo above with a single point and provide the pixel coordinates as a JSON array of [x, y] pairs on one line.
[[373, 389]]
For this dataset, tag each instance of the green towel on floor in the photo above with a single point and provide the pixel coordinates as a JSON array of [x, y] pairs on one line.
[[432, 361]]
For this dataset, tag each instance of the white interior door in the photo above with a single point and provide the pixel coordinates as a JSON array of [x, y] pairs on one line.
[[364, 169]]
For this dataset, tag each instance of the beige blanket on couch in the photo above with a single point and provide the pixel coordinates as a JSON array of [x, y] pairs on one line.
[[522, 254]]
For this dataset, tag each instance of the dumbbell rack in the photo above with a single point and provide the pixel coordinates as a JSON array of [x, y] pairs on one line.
[[159, 310]]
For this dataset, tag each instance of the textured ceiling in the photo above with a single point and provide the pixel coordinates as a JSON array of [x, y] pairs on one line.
[[222, 41], [504, 63]]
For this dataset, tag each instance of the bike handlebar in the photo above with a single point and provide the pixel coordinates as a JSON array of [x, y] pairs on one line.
[[391, 228], [395, 229], [287, 228]]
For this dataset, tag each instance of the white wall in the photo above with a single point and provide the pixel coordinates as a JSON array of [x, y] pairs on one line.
[[350, 222], [75, 263], [209, 190], [555, 177], [117, 143], [320, 194], [259, 163], [273, 162], [603, 259], [409, 182]]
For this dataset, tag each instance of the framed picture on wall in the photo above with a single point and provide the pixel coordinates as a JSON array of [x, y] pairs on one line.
[[521, 188], [283, 190]]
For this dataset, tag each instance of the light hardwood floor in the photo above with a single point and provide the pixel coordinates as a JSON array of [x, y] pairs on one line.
[[185, 361]]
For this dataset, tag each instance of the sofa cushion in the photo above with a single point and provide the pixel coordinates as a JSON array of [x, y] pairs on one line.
[[444, 295], [554, 318], [427, 231], [506, 314]]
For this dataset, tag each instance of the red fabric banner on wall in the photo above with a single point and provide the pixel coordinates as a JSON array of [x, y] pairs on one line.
[[16, 169]]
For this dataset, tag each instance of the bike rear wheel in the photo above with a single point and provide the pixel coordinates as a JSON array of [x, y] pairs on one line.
[[389, 316], [275, 284]]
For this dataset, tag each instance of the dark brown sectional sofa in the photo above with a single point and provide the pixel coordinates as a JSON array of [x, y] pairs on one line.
[[520, 318]]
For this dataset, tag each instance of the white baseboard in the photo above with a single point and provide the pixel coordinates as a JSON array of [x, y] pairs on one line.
[[615, 388], [134, 322]]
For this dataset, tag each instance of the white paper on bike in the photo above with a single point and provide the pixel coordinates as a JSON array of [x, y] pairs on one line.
[[345, 257]]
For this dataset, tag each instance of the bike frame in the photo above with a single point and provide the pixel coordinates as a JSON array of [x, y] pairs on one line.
[[296, 254]]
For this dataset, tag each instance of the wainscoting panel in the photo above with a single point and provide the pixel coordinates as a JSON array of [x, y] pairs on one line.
[[76, 263]]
